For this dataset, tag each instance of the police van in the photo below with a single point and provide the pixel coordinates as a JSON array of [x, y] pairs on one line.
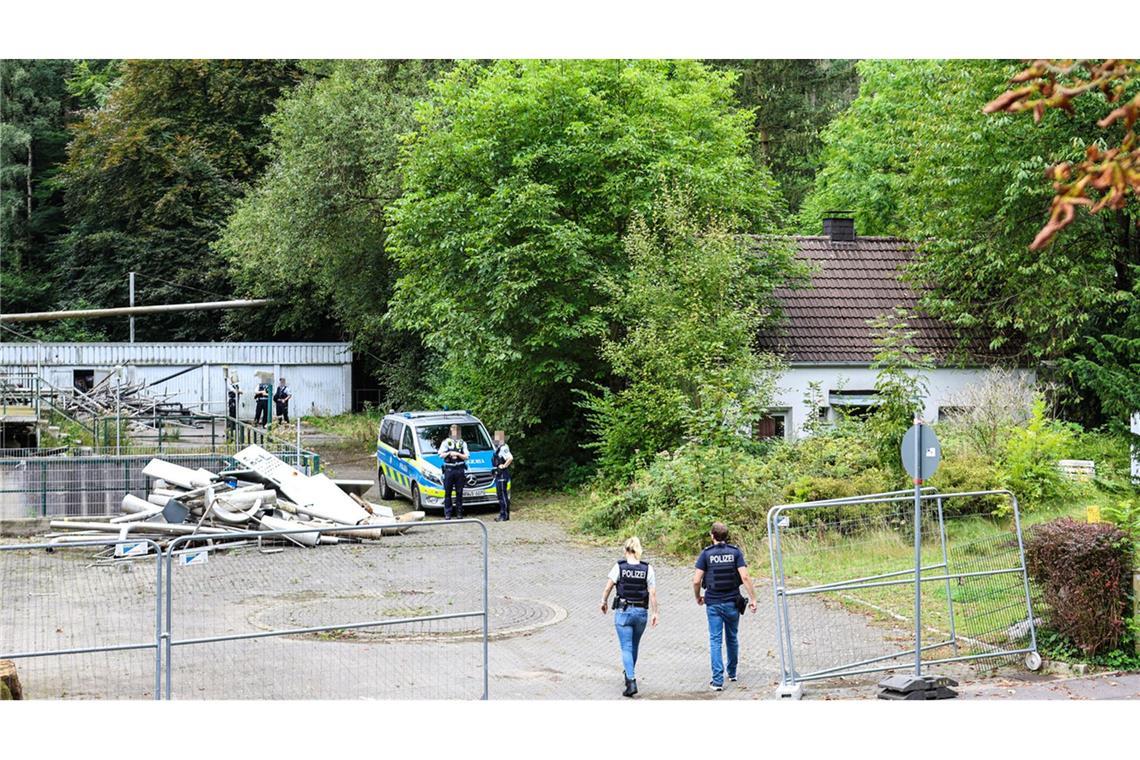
[[408, 462]]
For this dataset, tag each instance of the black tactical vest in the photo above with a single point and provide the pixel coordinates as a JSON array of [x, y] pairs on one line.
[[452, 445], [633, 582], [721, 578], [496, 460]]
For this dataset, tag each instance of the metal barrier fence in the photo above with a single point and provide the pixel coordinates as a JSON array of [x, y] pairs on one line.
[[834, 556], [81, 627], [405, 617], [401, 618], [92, 486]]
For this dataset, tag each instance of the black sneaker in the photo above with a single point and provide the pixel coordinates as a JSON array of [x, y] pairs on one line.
[[716, 686], [732, 678]]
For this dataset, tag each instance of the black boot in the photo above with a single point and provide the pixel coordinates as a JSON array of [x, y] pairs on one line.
[[630, 686]]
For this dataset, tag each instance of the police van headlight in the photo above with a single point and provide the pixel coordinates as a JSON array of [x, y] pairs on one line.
[[434, 475]]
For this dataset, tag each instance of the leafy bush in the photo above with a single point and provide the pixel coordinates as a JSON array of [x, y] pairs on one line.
[[1125, 514], [1029, 465], [1084, 572], [968, 472], [673, 501]]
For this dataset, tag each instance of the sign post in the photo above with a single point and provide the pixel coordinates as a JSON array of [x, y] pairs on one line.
[[921, 455]]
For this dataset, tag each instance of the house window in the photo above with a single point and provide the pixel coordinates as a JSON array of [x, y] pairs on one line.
[[770, 426], [854, 404], [950, 412]]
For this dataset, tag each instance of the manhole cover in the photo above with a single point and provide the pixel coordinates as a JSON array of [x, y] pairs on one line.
[[509, 616]]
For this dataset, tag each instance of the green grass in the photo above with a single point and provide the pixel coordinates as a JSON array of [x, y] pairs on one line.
[[984, 607], [358, 431]]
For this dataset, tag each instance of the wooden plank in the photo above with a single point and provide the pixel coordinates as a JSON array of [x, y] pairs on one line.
[[9, 681]]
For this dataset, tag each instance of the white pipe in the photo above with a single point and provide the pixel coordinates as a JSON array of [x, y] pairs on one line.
[[136, 516], [132, 504], [237, 501], [235, 518], [302, 539], [153, 527], [177, 474], [127, 311]]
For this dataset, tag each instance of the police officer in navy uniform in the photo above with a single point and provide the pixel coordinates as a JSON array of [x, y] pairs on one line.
[[261, 404], [721, 571], [233, 398], [634, 604], [501, 459], [281, 398], [453, 451]]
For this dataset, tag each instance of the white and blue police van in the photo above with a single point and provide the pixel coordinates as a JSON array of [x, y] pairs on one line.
[[408, 462]]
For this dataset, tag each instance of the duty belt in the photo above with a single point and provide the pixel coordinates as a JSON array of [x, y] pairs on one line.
[[625, 604]]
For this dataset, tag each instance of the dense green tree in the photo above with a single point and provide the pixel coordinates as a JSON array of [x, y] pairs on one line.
[[794, 99], [152, 175], [690, 305], [519, 184], [915, 156], [34, 105], [312, 232]]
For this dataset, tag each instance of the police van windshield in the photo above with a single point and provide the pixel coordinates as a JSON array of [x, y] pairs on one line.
[[432, 436]]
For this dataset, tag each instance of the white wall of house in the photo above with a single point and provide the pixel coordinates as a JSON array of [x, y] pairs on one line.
[[942, 386], [1136, 449]]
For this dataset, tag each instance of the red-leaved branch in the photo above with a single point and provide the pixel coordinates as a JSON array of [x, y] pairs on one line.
[[1105, 177]]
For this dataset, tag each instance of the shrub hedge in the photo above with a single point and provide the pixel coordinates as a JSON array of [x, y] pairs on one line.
[[1084, 573]]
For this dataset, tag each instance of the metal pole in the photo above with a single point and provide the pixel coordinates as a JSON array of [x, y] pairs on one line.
[[918, 550], [298, 443], [946, 570], [132, 306], [126, 311], [118, 402]]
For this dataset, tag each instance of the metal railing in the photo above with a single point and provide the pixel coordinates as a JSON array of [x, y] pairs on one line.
[[94, 482], [832, 556], [406, 617], [376, 620], [76, 627]]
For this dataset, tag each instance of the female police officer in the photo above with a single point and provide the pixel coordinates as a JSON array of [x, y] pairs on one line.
[[636, 600]]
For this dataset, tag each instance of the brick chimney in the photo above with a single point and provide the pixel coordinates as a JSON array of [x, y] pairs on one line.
[[839, 226]]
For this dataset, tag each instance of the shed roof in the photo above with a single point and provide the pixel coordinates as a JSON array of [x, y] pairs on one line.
[[172, 354], [853, 283]]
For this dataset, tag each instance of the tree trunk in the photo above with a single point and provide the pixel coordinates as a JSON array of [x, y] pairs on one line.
[[29, 180]]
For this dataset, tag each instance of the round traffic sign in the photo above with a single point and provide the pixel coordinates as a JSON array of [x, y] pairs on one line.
[[921, 451]]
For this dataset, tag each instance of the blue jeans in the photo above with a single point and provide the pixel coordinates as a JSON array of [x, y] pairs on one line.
[[723, 622], [502, 488], [630, 624]]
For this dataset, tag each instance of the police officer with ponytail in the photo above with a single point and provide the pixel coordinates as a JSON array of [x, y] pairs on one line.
[[721, 571], [634, 605]]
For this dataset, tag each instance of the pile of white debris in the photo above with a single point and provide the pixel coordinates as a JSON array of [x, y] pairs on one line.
[[260, 493]]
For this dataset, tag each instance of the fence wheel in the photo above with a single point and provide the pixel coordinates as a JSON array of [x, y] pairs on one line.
[[1033, 661]]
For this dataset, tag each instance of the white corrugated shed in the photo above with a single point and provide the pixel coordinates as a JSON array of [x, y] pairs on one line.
[[319, 374]]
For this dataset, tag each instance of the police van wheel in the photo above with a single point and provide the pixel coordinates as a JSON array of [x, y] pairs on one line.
[[416, 506], [386, 491]]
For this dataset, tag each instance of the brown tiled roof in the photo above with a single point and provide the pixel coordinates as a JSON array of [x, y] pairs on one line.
[[852, 283]]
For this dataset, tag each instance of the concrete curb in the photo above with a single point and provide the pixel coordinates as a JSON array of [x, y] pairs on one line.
[[23, 527]]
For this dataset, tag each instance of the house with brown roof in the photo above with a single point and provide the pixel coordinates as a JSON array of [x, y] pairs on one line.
[[827, 337]]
